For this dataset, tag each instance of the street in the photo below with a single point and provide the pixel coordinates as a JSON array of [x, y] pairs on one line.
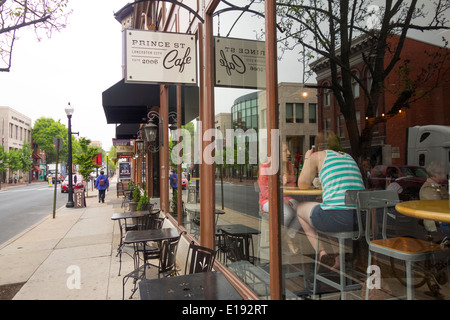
[[23, 206], [241, 198]]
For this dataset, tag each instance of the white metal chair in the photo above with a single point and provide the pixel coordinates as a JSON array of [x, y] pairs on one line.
[[407, 249]]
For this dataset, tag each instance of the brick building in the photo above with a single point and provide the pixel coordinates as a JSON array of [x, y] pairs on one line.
[[389, 138]]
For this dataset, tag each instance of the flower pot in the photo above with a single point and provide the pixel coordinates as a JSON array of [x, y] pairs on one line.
[[132, 205]]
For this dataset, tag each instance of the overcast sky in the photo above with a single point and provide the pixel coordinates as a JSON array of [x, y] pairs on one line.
[[76, 65]]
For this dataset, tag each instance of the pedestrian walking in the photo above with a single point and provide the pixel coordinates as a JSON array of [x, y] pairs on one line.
[[101, 184], [174, 181]]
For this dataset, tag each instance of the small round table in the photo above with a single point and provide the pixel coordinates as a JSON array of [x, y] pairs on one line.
[[302, 192], [437, 210]]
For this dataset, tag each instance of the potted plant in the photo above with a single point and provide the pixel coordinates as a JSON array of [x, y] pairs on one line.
[[144, 202], [174, 205], [135, 199]]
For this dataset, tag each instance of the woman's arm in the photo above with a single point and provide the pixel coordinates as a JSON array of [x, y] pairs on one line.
[[309, 170]]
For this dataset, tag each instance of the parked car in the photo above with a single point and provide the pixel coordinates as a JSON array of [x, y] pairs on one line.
[[406, 179], [77, 183], [184, 181]]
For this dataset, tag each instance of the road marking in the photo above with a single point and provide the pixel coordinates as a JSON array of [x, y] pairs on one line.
[[25, 190]]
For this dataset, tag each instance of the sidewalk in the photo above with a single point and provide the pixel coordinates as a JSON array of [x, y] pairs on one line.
[[70, 257]]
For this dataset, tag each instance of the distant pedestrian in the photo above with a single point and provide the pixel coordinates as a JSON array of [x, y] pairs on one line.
[[174, 181], [101, 184]]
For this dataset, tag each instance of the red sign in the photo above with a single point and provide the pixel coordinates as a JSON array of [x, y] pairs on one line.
[[98, 159]]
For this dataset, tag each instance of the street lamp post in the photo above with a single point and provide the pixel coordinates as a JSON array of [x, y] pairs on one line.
[[69, 112]]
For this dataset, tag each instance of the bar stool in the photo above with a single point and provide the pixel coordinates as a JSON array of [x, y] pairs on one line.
[[342, 286]]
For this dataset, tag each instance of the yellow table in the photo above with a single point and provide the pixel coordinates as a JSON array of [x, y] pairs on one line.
[[437, 210], [301, 192]]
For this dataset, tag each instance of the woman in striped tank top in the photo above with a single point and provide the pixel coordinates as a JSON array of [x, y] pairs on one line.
[[338, 172]]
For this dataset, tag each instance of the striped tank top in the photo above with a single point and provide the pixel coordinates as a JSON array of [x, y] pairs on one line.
[[339, 173]]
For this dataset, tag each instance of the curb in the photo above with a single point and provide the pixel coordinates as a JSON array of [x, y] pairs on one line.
[[17, 236]]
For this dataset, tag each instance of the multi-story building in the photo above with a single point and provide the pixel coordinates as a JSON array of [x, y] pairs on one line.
[[297, 118], [15, 131]]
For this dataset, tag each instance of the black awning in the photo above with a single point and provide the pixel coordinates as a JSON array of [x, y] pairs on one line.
[[127, 103], [127, 130]]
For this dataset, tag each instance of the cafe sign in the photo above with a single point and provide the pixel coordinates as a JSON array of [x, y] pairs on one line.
[[124, 148], [160, 57], [240, 63]]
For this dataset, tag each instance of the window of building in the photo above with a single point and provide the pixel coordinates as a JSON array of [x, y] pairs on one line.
[[358, 120], [295, 112], [312, 112], [355, 85], [327, 124], [299, 112], [341, 126], [327, 97], [289, 113], [369, 81]]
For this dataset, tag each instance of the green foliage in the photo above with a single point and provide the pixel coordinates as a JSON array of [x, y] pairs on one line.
[[136, 194], [43, 133], [13, 160], [25, 159], [16, 160], [3, 160], [174, 205], [85, 159], [144, 201]]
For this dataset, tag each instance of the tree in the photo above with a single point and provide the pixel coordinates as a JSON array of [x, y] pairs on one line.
[[44, 16], [25, 159], [3, 163], [14, 161], [85, 159], [328, 29], [43, 133]]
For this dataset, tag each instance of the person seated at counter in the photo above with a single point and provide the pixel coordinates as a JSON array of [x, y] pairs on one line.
[[338, 172], [289, 204], [434, 189]]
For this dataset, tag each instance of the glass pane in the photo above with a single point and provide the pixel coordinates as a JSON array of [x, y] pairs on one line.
[[289, 112], [299, 113]]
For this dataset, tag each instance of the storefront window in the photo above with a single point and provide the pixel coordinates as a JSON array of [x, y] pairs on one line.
[[377, 135]]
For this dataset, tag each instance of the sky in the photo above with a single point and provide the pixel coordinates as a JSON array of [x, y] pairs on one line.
[[75, 65]]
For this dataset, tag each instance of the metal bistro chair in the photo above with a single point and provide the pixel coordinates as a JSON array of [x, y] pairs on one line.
[[166, 265], [200, 259], [354, 235], [407, 249], [127, 197], [139, 223], [149, 251], [168, 257]]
